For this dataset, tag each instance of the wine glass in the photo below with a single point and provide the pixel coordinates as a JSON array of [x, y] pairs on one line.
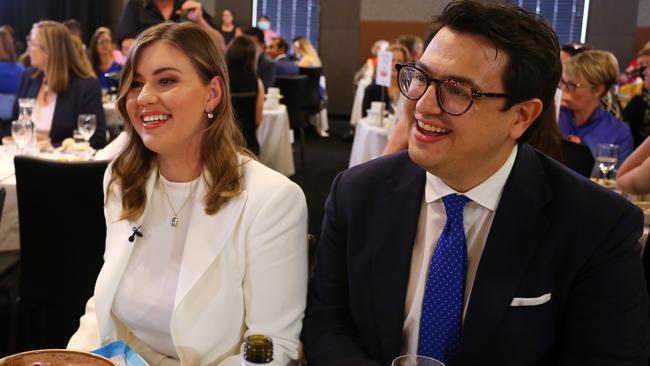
[[26, 107], [606, 159], [22, 131], [416, 360], [87, 124]]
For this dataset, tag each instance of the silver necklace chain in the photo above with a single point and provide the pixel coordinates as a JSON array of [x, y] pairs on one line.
[[175, 220]]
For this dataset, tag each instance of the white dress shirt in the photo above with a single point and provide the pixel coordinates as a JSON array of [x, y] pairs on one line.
[[144, 301], [43, 115], [477, 221]]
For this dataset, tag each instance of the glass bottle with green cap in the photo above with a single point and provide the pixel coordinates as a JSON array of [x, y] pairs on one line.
[[258, 349]]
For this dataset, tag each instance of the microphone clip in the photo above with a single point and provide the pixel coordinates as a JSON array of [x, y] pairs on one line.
[[135, 231]]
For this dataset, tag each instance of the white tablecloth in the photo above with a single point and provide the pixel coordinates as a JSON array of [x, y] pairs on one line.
[[369, 142], [275, 141]]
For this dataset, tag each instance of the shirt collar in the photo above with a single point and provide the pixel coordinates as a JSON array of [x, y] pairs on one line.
[[486, 194]]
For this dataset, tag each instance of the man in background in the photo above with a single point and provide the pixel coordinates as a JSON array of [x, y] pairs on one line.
[[277, 51]]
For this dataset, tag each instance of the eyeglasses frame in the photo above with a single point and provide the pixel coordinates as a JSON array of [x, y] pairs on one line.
[[474, 95]]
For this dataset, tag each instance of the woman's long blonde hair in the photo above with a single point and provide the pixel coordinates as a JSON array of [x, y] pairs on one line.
[[307, 49], [221, 143], [65, 55]]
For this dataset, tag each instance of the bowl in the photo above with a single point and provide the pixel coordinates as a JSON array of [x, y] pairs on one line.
[[55, 357]]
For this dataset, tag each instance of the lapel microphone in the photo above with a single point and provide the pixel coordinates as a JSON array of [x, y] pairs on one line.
[[135, 231]]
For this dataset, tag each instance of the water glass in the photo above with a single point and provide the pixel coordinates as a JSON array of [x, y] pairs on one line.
[[606, 159], [86, 124], [22, 132], [26, 107], [416, 360]]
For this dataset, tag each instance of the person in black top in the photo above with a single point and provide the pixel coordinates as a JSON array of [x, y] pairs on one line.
[[637, 113], [246, 89], [228, 28], [139, 15], [266, 69]]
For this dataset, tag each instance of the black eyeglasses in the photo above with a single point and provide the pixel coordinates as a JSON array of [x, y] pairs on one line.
[[454, 97], [569, 85]]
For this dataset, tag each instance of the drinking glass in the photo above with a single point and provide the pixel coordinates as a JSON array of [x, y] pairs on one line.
[[86, 124], [26, 107], [415, 360], [606, 159], [22, 131]]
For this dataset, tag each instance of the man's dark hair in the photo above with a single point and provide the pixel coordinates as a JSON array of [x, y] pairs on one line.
[[74, 26], [534, 68], [282, 44], [257, 33]]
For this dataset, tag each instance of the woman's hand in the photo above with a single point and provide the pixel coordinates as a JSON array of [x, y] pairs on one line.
[[194, 11]]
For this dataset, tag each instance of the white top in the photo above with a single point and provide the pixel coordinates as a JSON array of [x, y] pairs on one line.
[[42, 115], [477, 221], [144, 301]]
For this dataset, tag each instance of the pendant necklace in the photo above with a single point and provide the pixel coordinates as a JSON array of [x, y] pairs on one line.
[[175, 220]]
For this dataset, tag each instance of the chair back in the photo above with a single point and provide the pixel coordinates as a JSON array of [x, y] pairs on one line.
[[62, 237], [245, 106], [292, 89], [312, 99], [6, 106], [3, 194]]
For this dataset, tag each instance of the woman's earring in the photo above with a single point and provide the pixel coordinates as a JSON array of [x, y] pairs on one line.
[[210, 115]]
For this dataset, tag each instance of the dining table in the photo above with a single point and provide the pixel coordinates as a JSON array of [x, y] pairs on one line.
[[274, 137], [369, 142]]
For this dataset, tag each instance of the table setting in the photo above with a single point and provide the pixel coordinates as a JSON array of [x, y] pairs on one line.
[[371, 134]]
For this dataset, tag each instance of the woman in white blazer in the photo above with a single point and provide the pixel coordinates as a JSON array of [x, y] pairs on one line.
[[204, 245]]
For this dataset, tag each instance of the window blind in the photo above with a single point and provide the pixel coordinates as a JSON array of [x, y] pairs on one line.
[[291, 18], [567, 17]]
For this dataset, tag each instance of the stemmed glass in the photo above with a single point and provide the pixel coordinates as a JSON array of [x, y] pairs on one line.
[[416, 360], [86, 124], [26, 107], [22, 131], [606, 159]]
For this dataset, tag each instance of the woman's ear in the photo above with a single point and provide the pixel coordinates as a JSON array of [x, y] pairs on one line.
[[216, 92]]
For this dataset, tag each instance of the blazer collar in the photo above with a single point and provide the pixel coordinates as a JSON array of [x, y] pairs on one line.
[[391, 240], [516, 232]]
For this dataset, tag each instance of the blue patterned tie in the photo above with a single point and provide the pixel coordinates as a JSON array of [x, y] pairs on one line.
[[442, 304]]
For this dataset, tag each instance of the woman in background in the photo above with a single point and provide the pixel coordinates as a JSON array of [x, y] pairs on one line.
[[101, 55], [240, 59], [10, 70], [63, 83], [306, 53], [221, 245], [228, 27], [391, 95]]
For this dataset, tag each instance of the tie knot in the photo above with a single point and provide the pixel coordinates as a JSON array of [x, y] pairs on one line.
[[454, 205]]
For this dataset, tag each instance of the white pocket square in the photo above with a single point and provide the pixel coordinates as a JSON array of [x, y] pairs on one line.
[[530, 301]]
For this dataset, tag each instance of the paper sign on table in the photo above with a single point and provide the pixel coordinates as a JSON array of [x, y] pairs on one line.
[[384, 66]]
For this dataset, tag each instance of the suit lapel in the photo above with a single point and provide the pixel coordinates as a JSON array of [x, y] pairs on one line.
[[516, 232], [117, 255], [206, 237], [392, 236]]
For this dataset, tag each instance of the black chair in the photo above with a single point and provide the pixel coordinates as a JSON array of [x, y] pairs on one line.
[[245, 106], [62, 236], [312, 101], [292, 89]]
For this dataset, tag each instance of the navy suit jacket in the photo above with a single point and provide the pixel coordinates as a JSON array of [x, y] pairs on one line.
[[284, 66], [553, 232], [82, 96]]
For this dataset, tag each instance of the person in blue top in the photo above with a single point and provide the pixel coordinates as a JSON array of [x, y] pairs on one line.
[[101, 56], [585, 79], [10, 70]]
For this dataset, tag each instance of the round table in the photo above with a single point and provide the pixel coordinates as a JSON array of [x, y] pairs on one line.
[[369, 142], [274, 137]]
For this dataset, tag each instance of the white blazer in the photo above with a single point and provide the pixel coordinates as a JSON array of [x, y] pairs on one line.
[[243, 271]]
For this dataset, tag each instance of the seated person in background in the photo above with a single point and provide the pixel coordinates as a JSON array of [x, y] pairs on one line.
[[266, 68], [101, 55], [277, 51], [571, 49], [586, 78], [74, 26], [390, 95], [413, 44], [138, 15], [637, 110], [63, 83], [240, 59], [368, 68], [306, 53], [472, 247], [548, 139], [10, 70], [222, 247]]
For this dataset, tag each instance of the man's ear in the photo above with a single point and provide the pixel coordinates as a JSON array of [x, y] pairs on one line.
[[525, 114], [216, 92]]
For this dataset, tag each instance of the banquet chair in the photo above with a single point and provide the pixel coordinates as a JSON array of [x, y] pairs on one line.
[[312, 101], [292, 89], [62, 235], [244, 106]]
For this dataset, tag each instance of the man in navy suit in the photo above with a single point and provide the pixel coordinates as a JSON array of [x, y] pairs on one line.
[[277, 51], [548, 271]]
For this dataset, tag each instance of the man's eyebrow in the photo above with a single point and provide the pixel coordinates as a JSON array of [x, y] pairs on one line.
[[462, 79]]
